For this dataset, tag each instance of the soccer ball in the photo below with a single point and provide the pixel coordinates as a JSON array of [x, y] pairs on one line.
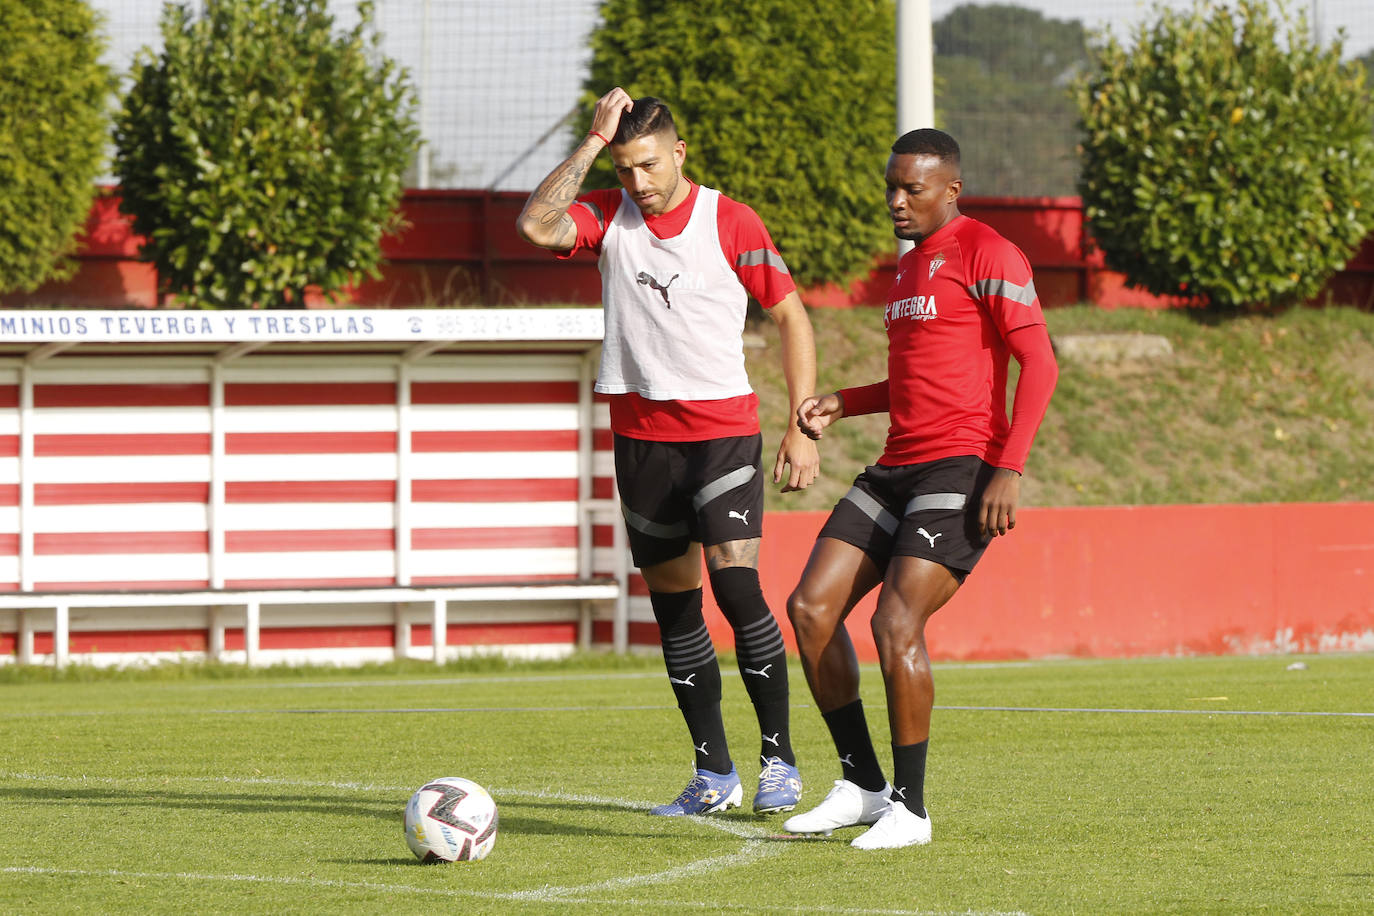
[[451, 820]]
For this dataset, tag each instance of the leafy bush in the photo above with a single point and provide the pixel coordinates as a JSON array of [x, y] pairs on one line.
[[54, 124], [1226, 156], [787, 107], [261, 153]]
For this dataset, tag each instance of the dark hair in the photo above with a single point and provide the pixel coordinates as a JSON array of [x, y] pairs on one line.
[[648, 116], [928, 142]]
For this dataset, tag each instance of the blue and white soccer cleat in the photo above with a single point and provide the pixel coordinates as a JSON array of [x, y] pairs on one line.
[[706, 793], [780, 787]]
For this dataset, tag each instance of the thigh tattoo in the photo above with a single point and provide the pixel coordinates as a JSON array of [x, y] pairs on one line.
[[733, 553]]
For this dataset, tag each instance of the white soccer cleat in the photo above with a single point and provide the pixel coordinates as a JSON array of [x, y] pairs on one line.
[[846, 805], [897, 827]]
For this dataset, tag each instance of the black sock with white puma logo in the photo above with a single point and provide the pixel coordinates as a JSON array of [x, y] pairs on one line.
[[858, 761], [909, 775], [761, 654], [694, 674]]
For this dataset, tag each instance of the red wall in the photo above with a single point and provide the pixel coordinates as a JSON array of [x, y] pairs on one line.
[[462, 247], [1131, 581], [1089, 582]]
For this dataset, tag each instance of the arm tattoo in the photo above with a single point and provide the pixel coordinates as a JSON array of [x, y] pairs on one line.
[[564, 232], [548, 205]]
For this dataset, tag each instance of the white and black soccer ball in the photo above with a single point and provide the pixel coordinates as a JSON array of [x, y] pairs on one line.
[[451, 820]]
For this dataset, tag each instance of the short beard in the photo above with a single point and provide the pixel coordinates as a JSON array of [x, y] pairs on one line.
[[667, 197]]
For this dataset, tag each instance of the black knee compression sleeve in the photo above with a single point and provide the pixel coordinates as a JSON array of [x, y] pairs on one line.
[[758, 641]]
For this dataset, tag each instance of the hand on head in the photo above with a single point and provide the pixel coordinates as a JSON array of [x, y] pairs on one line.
[[606, 115]]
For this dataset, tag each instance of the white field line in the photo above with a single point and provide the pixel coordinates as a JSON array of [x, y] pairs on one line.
[[1102, 710], [352, 711], [511, 679], [753, 849], [1098, 710], [466, 680], [471, 680], [425, 710]]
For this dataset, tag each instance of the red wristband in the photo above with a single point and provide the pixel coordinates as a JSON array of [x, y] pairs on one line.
[[592, 133]]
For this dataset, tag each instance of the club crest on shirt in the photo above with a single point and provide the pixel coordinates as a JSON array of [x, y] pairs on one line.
[[935, 263]]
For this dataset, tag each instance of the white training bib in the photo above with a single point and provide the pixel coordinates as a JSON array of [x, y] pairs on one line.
[[675, 309]]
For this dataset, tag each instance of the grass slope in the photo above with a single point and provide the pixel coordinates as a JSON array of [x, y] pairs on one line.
[[1247, 409], [1220, 785]]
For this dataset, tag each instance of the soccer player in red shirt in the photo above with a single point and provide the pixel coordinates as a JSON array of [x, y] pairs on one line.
[[678, 264], [917, 521]]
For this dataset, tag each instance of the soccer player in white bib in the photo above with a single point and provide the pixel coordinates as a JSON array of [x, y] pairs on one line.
[[678, 264]]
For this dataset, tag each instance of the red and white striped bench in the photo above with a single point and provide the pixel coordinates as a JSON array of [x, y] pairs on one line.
[[339, 468]]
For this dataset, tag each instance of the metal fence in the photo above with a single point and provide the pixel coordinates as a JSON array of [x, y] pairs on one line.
[[498, 79]]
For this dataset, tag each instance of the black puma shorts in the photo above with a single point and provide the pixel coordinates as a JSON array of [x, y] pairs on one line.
[[927, 510], [674, 493]]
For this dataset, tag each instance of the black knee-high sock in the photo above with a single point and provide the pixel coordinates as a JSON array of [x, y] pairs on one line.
[[858, 761], [762, 656], [909, 775], [693, 673]]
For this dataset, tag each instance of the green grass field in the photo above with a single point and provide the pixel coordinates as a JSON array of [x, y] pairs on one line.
[[1207, 785]]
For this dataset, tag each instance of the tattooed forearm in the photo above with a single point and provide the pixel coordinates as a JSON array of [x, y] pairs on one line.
[[545, 220], [560, 189]]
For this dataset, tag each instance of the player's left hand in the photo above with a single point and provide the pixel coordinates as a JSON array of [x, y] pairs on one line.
[[997, 514], [801, 454]]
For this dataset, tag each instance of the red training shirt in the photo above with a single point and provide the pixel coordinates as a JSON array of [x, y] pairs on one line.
[[962, 303]]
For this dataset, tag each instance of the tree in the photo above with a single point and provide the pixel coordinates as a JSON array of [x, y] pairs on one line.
[[54, 122], [1227, 156], [785, 106], [262, 154], [1003, 79], [1368, 60]]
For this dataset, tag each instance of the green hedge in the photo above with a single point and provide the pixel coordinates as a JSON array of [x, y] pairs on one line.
[[54, 125], [262, 153], [788, 107], [1226, 156]]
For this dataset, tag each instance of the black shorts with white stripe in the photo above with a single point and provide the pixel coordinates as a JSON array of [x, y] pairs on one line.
[[927, 510], [673, 493]]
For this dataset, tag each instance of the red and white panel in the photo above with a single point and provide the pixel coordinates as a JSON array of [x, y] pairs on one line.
[[495, 469], [310, 473], [9, 480], [120, 473]]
